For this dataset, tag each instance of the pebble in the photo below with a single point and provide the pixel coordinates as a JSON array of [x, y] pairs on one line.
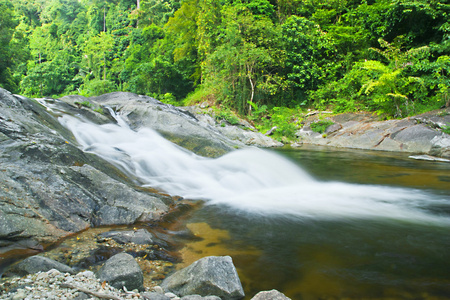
[[47, 285], [158, 289], [171, 295]]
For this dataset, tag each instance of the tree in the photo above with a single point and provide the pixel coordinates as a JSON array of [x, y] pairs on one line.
[[8, 24], [95, 52], [305, 45], [49, 78], [239, 66]]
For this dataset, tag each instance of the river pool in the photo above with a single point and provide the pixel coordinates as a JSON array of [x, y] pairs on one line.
[[346, 256]]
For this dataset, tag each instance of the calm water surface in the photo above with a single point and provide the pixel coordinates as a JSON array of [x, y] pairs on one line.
[[337, 258]]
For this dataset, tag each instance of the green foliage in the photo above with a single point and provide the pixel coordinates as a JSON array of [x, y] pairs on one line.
[[446, 129], [237, 66], [97, 87], [263, 59], [227, 115], [201, 94], [84, 104], [257, 111], [320, 126], [286, 120], [11, 56], [305, 44]]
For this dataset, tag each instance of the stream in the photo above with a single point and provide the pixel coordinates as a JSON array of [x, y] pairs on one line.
[[314, 223], [353, 256]]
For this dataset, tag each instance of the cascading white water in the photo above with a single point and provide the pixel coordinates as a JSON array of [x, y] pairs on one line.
[[251, 180]]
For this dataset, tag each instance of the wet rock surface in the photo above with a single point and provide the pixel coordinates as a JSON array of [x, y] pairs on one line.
[[51, 189], [177, 125], [140, 236]]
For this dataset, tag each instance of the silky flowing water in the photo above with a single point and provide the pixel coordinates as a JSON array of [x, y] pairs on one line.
[[313, 223], [352, 256]]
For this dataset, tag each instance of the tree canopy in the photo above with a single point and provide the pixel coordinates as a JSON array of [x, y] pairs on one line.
[[392, 57]]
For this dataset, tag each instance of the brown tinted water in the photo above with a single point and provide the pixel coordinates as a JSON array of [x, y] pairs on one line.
[[337, 258]]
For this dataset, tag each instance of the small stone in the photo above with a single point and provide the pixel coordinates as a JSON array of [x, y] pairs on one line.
[[156, 296], [158, 289], [20, 294], [170, 295], [81, 296], [270, 295]]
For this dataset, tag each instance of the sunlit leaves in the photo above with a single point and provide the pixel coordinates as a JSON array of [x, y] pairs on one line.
[[95, 52]]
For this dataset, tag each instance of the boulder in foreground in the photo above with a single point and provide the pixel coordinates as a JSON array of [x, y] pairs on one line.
[[212, 275], [122, 270]]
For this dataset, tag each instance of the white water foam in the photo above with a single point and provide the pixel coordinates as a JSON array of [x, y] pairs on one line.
[[251, 180]]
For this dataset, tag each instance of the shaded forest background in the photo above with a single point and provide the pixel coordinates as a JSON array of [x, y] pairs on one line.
[[254, 57]]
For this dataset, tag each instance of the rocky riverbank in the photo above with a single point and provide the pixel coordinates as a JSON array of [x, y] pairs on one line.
[[210, 278], [419, 135]]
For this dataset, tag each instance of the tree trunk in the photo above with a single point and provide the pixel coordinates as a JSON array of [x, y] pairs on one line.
[[138, 4], [253, 93]]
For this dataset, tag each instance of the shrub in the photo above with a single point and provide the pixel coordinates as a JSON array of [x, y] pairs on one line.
[[446, 129], [320, 126], [228, 116]]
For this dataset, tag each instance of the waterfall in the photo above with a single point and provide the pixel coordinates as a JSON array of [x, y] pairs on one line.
[[252, 180]]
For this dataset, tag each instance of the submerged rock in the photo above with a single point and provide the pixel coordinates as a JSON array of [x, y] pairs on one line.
[[209, 276], [120, 271], [140, 236], [429, 158]]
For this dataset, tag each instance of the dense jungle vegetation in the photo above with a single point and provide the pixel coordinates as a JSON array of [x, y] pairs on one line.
[[254, 57]]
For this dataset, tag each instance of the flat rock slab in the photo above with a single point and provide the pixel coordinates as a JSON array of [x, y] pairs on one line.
[[209, 276], [412, 135]]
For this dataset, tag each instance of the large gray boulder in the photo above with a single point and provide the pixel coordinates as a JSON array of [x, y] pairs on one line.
[[51, 188], [122, 270], [209, 276], [270, 295], [34, 264]]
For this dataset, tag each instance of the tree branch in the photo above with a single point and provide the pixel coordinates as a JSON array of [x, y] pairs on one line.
[[86, 291]]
